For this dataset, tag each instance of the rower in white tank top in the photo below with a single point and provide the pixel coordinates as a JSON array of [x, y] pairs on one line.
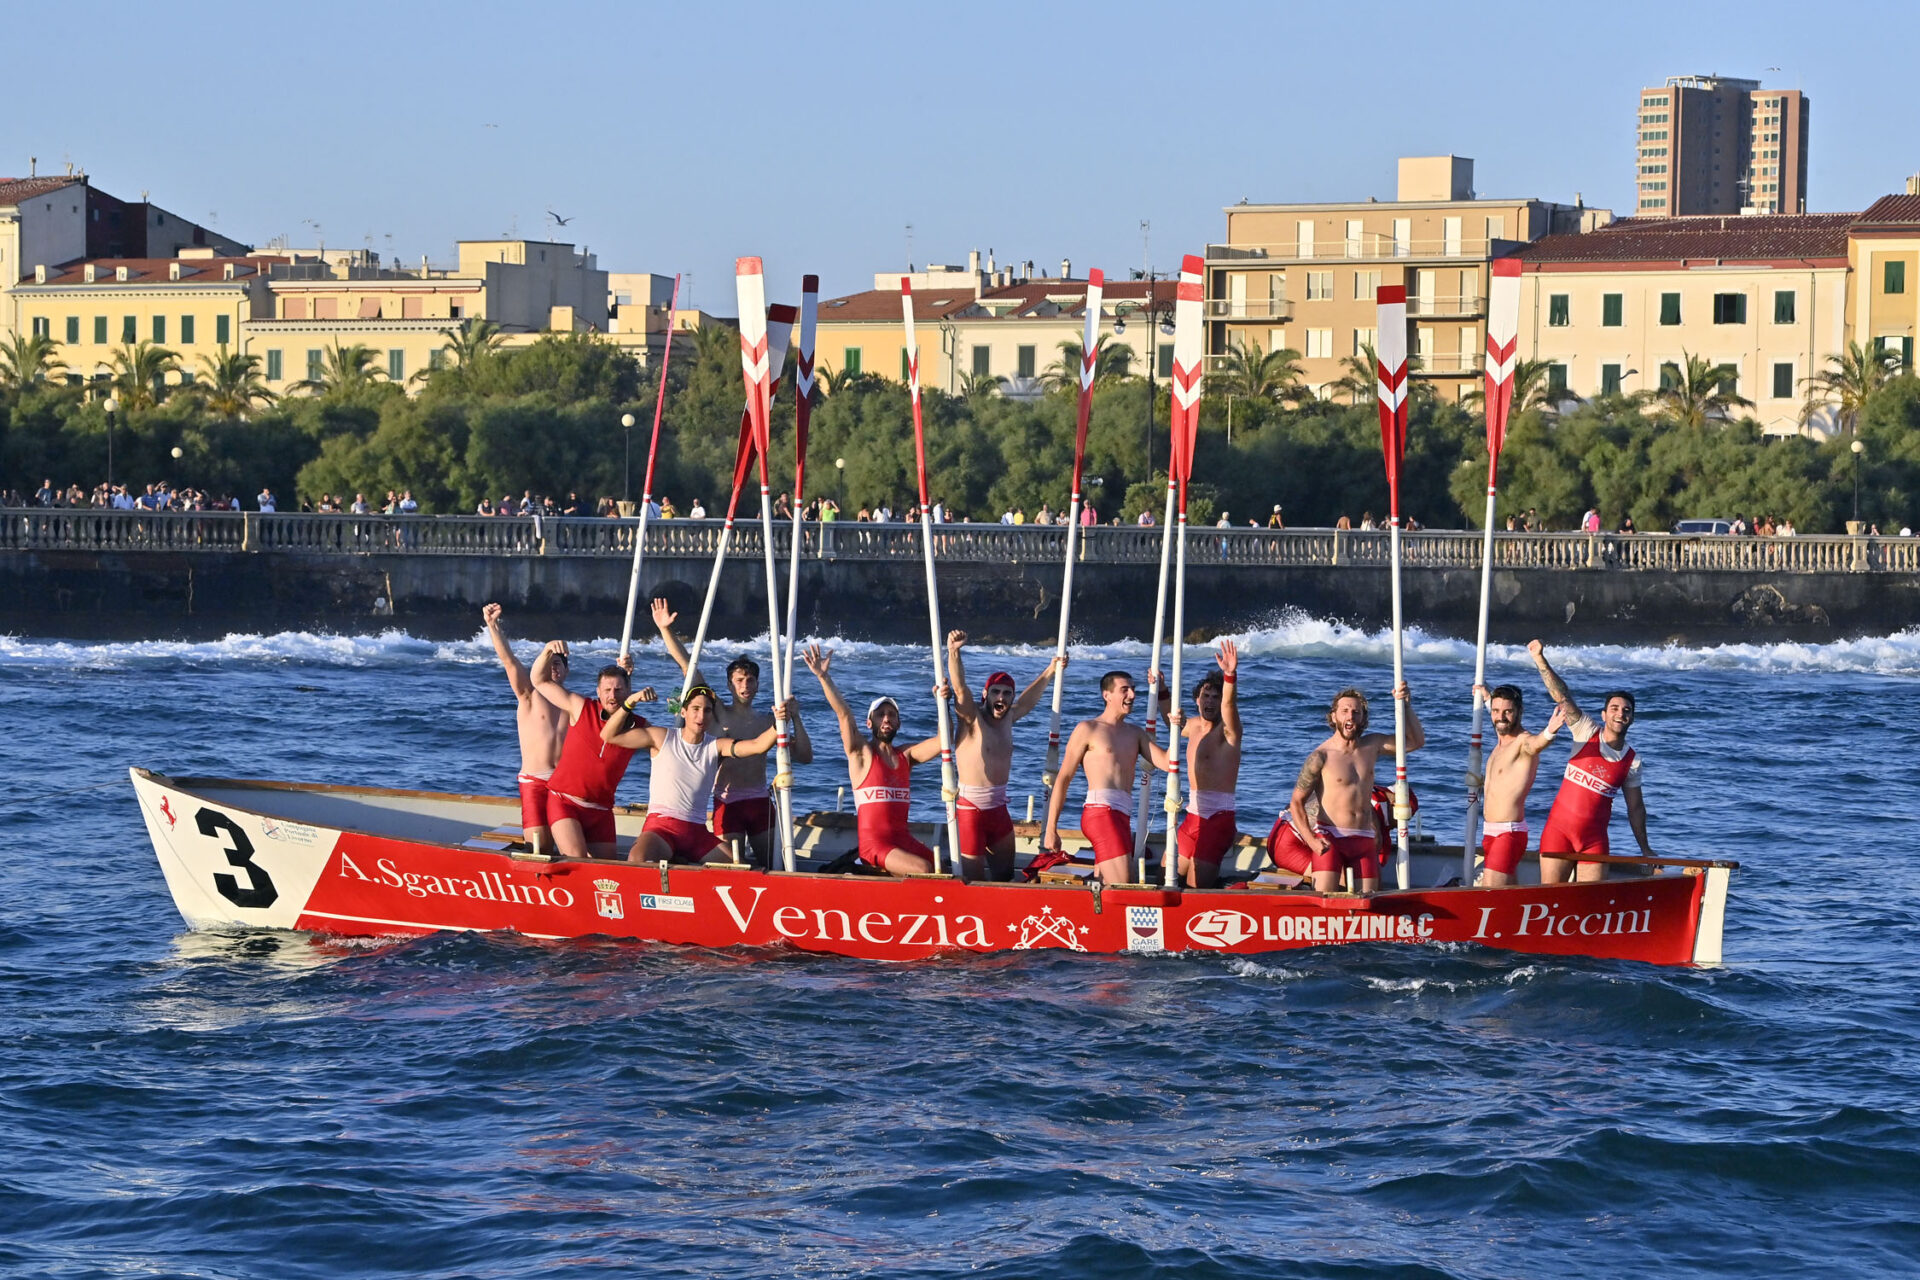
[[681, 782]]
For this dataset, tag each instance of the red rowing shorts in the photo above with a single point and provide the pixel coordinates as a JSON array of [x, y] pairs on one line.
[[689, 841], [1108, 830], [1288, 851], [1207, 839], [743, 817], [980, 829], [875, 847], [1559, 841], [533, 802], [595, 824], [1362, 853], [1504, 851]]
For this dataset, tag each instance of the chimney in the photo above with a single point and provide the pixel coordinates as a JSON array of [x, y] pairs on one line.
[[1913, 185], [1029, 268], [990, 266], [1066, 268], [973, 261], [33, 166]]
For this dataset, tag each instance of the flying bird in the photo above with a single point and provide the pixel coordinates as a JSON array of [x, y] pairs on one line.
[[558, 220]]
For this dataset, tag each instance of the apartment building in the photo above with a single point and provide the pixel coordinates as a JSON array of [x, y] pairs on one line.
[[49, 222], [1720, 145], [1765, 299], [1883, 248], [977, 322], [1307, 276]]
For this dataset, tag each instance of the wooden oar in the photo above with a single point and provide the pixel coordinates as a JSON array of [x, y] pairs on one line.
[[802, 414], [948, 786], [1390, 346], [646, 490], [1188, 380], [1089, 350], [1503, 328]]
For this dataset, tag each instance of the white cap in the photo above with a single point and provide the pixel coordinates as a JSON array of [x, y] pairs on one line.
[[873, 708]]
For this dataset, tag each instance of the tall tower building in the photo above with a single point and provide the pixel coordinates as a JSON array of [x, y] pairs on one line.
[[1713, 144]]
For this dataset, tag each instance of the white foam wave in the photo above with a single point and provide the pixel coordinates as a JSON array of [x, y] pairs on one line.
[[1292, 636]]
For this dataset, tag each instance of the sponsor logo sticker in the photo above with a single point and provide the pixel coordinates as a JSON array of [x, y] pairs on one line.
[[666, 902], [606, 899], [166, 810], [288, 832], [1146, 930], [1221, 928], [1047, 930]]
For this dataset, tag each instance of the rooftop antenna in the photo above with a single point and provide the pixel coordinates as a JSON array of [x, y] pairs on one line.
[[1146, 247], [909, 248]]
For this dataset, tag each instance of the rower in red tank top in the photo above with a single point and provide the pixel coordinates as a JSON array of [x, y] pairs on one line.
[[880, 790], [1602, 767], [580, 794]]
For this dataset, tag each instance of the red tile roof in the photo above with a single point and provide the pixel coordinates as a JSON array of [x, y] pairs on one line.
[[156, 270], [1893, 209], [883, 305], [14, 190], [1761, 237]]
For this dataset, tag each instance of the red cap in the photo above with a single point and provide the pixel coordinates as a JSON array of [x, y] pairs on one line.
[[998, 677]]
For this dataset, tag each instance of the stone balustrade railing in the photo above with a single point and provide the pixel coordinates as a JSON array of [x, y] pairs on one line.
[[87, 529]]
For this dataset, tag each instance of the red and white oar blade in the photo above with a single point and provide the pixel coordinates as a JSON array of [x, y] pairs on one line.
[[1188, 363], [750, 283], [913, 386], [803, 379], [1390, 346], [1503, 345], [1089, 362]]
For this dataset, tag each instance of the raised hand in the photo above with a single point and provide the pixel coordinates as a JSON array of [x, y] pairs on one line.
[[625, 663], [490, 616], [1538, 650], [558, 649], [817, 659], [663, 617], [955, 639], [1228, 656], [646, 694], [1557, 719]]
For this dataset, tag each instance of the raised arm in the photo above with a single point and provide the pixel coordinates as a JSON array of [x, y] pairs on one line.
[[551, 689], [516, 673], [1228, 656], [1305, 787], [1556, 687], [731, 748], [1030, 696], [818, 661], [1057, 798], [963, 703], [625, 729], [1534, 743], [663, 620]]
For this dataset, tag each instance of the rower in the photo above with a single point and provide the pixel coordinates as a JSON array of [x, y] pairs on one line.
[[685, 763], [1110, 750], [580, 792], [881, 776], [1213, 765], [1602, 767], [743, 811], [542, 726], [983, 750], [1339, 775], [1508, 780]]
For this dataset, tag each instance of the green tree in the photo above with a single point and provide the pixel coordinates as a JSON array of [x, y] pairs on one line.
[[1251, 374], [233, 386], [28, 358], [1701, 393], [140, 374], [1532, 391], [1109, 361], [1849, 381], [345, 372]]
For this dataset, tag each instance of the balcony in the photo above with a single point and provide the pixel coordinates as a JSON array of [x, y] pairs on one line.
[[1442, 307], [1448, 364], [1370, 247], [1249, 309]]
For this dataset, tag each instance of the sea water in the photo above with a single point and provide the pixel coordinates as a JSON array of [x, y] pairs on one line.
[[245, 1105]]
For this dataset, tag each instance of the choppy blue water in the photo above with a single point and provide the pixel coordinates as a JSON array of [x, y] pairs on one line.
[[204, 1105]]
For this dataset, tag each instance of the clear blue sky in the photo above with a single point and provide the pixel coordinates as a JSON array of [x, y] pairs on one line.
[[678, 137]]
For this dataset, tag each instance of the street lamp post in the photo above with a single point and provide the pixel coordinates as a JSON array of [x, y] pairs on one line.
[[840, 467], [1152, 310], [110, 405], [626, 483], [1858, 448]]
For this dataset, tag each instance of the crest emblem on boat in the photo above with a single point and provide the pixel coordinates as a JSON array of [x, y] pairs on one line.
[[1221, 928], [1145, 929], [166, 811], [1046, 928], [606, 899]]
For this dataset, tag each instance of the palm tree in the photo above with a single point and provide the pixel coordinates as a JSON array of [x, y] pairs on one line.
[[344, 371], [1698, 395], [233, 384], [1110, 360], [1248, 372], [1849, 381], [140, 374], [28, 358], [975, 386], [832, 383], [472, 340], [1361, 381], [1532, 389]]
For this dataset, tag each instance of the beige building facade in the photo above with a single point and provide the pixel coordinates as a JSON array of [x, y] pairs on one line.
[[1306, 277], [1883, 249]]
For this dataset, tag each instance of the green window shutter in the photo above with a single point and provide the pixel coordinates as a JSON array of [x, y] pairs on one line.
[[100, 331], [1783, 380], [1669, 376], [982, 361], [129, 328], [73, 329], [1557, 310], [1894, 278], [223, 329], [1026, 361], [1906, 353], [1783, 306], [903, 364], [1729, 379], [316, 361], [274, 367], [1166, 360], [186, 329], [1610, 379], [159, 328], [396, 364], [1669, 308], [850, 361], [1611, 308]]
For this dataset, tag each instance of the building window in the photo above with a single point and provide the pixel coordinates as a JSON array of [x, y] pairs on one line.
[[1450, 236], [1609, 379], [100, 331], [1122, 361], [42, 327], [1729, 378], [1356, 235], [437, 359], [159, 328], [1496, 230], [1669, 308], [1319, 286], [275, 371], [129, 328], [223, 329], [905, 369], [1319, 344], [1783, 380], [982, 361], [1783, 306], [1024, 360], [396, 364], [73, 329], [1364, 340], [1304, 244], [1402, 237], [1612, 305], [1165, 359], [1366, 286], [1557, 311], [850, 360], [1894, 278], [1729, 308], [315, 362], [1669, 376], [1557, 381], [186, 329]]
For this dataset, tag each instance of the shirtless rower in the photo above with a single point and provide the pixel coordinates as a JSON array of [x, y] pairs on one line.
[[1509, 778], [743, 808], [1601, 768], [1213, 765], [1338, 775], [983, 753], [580, 792], [542, 726], [685, 764], [1110, 750], [881, 775]]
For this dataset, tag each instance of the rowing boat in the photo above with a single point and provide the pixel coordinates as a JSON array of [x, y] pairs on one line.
[[366, 861]]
